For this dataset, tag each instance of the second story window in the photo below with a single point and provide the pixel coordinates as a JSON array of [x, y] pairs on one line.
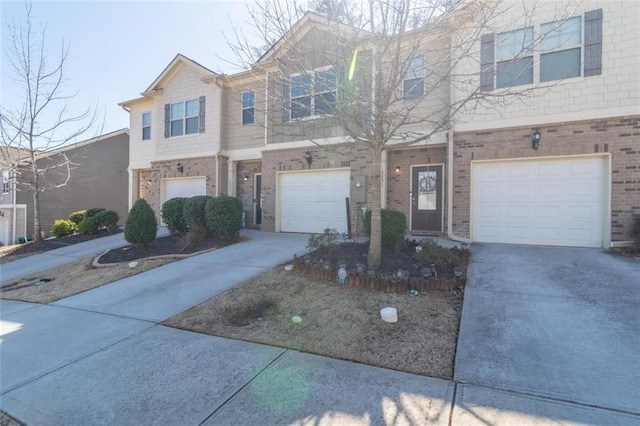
[[560, 46], [514, 58], [413, 83], [146, 126], [313, 94], [184, 118], [248, 107], [6, 182]]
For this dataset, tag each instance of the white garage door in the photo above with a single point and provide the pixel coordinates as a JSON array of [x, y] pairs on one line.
[[313, 201], [558, 202], [183, 187]]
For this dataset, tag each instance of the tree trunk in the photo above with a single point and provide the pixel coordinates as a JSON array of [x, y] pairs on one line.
[[374, 256], [37, 235]]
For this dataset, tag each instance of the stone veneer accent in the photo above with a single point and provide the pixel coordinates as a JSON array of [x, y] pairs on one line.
[[399, 185], [245, 189], [619, 136]]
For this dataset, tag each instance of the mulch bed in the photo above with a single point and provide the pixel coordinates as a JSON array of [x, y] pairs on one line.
[[164, 246], [36, 247]]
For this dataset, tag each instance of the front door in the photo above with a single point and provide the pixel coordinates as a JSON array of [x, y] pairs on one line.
[[257, 199], [426, 199]]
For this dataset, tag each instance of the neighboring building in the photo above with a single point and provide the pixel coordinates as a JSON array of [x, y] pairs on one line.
[[98, 178], [197, 132], [13, 216]]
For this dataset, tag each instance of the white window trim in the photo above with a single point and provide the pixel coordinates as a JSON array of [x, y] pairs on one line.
[[536, 54], [312, 93], [149, 126], [243, 108], [184, 117]]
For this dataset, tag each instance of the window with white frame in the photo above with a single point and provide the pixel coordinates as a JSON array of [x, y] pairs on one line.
[[560, 48], [185, 117], [313, 94], [146, 126], [248, 107], [413, 83], [6, 182], [548, 51]]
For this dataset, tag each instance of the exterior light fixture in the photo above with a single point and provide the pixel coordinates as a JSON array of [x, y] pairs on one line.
[[398, 170], [535, 139], [180, 168], [245, 178], [308, 157]]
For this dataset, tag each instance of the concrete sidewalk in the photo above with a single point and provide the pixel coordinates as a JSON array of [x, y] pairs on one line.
[[52, 258]]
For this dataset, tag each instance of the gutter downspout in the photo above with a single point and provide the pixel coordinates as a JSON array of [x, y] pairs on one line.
[[450, 191], [15, 211], [220, 112]]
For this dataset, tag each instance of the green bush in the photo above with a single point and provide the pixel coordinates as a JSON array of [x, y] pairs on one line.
[[173, 215], [193, 210], [107, 219], [394, 226], [94, 211], [432, 254], [88, 226], [62, 227], [328, 237], [223, 216], [141, 227], [76, 217]]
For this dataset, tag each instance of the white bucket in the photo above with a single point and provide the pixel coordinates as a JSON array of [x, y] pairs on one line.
[[389, 314]]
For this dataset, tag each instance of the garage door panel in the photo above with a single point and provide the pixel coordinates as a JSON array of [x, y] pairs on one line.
[[313, 201], [550, 202], [184, 187]]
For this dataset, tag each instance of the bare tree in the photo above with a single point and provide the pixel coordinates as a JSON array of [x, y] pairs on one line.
[[38, 123], [394, 65]]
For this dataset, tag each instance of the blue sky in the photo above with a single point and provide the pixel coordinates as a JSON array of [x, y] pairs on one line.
[[118, 48]]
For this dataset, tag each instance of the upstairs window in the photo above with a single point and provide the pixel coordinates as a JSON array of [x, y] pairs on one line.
[[313, 94], [6, 182], [514, 57], [184, 118], [248, 107], [146, 126], [413, 84], [561, 49]]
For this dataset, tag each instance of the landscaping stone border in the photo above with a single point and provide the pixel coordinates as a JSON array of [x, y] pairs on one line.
[[366, 281]]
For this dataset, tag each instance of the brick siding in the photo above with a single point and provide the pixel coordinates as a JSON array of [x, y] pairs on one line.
[[245, 189], [618, 136]]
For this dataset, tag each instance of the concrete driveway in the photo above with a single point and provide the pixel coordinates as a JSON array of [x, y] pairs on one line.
[[559, 323]]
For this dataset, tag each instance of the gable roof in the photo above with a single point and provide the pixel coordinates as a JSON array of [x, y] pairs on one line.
[[205, 73]]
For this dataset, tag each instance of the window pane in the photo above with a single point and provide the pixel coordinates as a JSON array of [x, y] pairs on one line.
[[561, 34], [146, 119], [301, 107], [146, 133], [176, 127], [325, 103], [415, 68], [515, 73], [413, 89], [248, 99], [559, 65], [247, 116], [192, 125], [193, 108], [177, 111], [325, 81], [514, 43], [300, 86]]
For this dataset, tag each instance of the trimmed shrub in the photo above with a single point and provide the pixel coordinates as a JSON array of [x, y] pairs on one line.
[[94, 211], [394, 226], [141, 227], [88, 226], [107, 219], [328, 237], [223, 216], [432, 254], [173, 215], [76, 217], [62, 227], [194, 217]]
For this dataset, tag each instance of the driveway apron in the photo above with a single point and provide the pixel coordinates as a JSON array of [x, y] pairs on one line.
[[553, 322]]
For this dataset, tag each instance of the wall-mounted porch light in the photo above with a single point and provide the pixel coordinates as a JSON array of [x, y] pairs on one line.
[[180, 168], [535, 139], [308, 157], [245, 178], [398, 170]]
